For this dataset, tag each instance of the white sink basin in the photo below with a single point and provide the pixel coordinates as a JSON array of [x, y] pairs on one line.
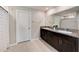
[[63, 31]]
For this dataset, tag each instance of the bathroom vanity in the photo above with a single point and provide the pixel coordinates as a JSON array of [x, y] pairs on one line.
[[62, 40]]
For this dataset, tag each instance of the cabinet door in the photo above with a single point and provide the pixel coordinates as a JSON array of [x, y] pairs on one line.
[[68, 45], [53, 40], [48, 36], [43, 34]]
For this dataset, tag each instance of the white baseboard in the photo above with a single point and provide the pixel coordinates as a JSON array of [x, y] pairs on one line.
[[35, 39], [13, 44], [3, 49], [17, 42]]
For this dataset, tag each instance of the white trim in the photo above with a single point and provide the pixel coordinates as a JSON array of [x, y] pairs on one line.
[[13, 44], [35, 38]]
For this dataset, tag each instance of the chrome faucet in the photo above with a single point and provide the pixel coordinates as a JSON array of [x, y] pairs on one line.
[[55, 26]]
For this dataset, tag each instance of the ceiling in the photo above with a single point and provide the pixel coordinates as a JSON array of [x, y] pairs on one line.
[[42, 8]]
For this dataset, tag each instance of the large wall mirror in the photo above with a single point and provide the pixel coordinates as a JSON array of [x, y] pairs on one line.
[[69, 21]]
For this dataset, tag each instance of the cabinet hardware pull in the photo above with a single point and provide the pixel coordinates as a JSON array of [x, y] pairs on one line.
[[60, 41]]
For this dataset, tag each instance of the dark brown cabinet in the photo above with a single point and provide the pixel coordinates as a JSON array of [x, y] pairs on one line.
[[62, 43]]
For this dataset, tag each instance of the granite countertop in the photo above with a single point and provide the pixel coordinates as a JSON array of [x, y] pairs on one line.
[[72, 33]]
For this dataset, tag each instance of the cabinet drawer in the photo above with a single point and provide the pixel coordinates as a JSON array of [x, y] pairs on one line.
[[68, 46], [69, 39]]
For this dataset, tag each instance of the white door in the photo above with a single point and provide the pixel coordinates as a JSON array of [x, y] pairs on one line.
[[22, 25]]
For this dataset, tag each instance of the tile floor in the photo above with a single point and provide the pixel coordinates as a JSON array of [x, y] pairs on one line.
[[32, 46]]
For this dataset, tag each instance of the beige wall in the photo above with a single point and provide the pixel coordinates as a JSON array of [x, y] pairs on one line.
[[38, 19]]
